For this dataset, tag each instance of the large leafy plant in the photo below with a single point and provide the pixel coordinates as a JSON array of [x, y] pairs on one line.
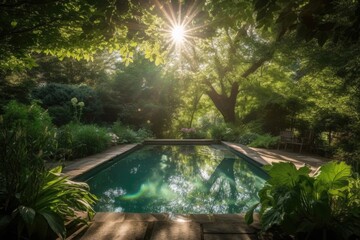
[[42, 214], [325, 206], [34, 202]]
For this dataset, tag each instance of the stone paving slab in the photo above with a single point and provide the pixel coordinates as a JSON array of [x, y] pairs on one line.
[[148, 217], [109, 217], [227, 227], [269, 156], [229, 218], [116, 230], [230, 237], [176, 231]]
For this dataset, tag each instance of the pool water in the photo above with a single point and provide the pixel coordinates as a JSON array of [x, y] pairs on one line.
[[178, 179]]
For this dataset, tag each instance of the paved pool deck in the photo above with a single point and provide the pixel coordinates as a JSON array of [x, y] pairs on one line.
[[132, 226]]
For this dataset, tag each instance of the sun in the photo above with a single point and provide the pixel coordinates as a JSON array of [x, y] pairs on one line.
[[179, 30], [178, 33]]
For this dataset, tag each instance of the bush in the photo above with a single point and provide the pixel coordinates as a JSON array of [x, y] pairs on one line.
[[326, 206], [264, 141], [30, 124], [77, 140], [350, 157], [225, 132], [247, 138], [57, 99], [33, 201], [128, 135], [192, 133], [41, 213]]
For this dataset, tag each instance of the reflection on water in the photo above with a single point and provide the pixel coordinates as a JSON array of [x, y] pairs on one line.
[[178, 179]]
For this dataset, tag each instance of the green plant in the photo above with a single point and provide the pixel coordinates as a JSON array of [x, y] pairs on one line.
[[225, 132], [326, 206], [77, 140], [264, 141], [128, 135], [33, 200], [247, 138], [78, 109], [43, 213], [57, 98]]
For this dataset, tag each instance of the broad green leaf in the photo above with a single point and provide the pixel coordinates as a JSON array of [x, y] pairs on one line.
[[28, 214], [333, 175], [285, 173], [270, 218], [55, 222], [250, 213]]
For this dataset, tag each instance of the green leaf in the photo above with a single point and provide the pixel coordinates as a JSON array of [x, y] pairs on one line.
[[28, 214], [55, 222], [58, 169], [333, 175], [285, 173], [249, 214]]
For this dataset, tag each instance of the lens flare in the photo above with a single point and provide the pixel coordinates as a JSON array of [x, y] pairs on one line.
[[178, 33]]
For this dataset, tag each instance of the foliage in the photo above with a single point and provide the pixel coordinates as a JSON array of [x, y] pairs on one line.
[[31, 124], [192, 133], [127, 135], [321, 20], [78, 109], [326, 206], [78, 140], [264, 141], [76, 29], [225, 132], [350, 156], [247, 138], [41, 213], [139, 95], [15, 87], [33, 202], [57, 99], [25, 141]]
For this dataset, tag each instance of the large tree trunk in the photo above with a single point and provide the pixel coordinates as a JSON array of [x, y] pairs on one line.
[[226, 104]]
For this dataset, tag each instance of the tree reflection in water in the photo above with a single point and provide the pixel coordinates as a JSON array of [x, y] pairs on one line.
[[178, 179]]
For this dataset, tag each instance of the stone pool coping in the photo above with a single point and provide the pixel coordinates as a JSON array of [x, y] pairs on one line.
[[166, 227], [109, 225], [80, 166]]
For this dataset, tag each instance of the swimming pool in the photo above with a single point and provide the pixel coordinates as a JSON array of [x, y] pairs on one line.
[[178, 179]]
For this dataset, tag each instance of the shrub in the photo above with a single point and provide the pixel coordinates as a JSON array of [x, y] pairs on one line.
[[33, 200], [41, 213], [326, 206], [77, 140], [57, 99], [30, 124], [264, 141], [128, 135], [247, 138], [225, 132]]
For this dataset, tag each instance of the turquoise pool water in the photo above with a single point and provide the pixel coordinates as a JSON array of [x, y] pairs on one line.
[[178, 179]]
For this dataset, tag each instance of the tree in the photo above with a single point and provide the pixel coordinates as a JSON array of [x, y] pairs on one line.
[[139, 94], [75, 28], [221, 61]]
